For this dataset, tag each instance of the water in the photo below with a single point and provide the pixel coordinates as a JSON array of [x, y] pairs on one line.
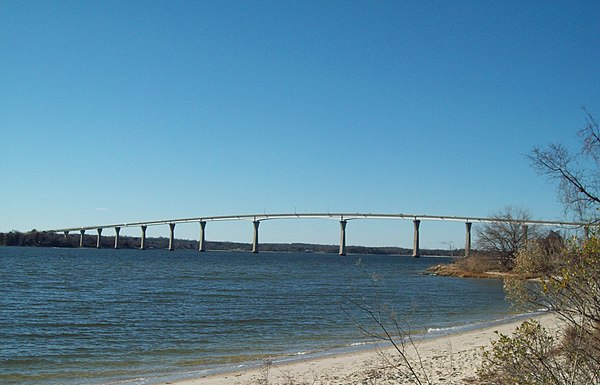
[[87, 316]]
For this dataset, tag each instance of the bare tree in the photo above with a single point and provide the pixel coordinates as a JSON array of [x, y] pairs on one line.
[[503, 238], [577, 173], [568, 282]]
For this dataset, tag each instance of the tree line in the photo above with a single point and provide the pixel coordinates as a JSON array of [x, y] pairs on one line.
[[36, 238]]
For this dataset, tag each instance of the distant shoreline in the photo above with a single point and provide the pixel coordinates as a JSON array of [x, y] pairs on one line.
[[47, 239]]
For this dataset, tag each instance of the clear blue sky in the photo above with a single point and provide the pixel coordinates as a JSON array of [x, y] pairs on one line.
[[122, 111]]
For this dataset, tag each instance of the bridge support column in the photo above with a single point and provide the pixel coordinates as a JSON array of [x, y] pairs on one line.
[[81, 237], [99, 238], [343, 236], [586, 232], [416, 252], [468, 240], [66, 234], [255, 237], [525, 229], [172, 236], [201, 241], [117, 230], [143, 240]]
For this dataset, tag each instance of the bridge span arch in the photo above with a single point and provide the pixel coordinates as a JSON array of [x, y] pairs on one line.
[[343, 219]]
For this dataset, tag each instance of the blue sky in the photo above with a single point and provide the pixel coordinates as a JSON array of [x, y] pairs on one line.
[[122, 111]]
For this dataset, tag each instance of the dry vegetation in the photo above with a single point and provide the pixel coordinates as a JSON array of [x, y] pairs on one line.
[[569, 285], [475, 266]]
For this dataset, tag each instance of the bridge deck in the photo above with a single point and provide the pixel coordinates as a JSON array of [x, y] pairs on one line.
[[336, 216]]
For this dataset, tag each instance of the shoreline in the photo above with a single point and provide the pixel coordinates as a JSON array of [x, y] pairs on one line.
[[447, 358]]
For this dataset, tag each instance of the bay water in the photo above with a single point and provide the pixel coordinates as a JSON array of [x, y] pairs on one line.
[[89, 316]]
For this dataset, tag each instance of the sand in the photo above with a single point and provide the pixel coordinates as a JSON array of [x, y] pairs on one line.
[[449, 359]]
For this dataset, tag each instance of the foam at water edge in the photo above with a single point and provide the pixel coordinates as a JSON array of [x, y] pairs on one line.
[[434, 332]]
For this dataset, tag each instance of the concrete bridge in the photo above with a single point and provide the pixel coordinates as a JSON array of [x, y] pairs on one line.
[[342, 217]]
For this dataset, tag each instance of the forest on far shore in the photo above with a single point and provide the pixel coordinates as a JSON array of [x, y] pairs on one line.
[[36, 238]]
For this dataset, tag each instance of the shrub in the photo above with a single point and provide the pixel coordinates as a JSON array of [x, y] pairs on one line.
[[479, 263], [568, 283], [518, 359]]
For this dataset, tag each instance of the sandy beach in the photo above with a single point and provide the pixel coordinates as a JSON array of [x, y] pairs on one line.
[[448, 359]]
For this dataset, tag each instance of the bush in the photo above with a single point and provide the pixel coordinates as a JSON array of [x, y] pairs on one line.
[[568, 283], [517, 359], [479, 263]]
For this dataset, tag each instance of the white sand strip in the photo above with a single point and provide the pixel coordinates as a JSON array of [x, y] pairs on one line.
[[449, 359]]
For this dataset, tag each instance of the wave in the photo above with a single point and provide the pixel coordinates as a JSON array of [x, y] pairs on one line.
[[434, 332]]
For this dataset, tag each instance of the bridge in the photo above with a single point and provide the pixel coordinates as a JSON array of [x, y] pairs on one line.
[[342, 217]]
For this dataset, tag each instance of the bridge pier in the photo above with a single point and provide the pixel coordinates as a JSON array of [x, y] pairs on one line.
[[66, 234], [81, 237], [343, 237], [255, 237], [172, 236], [586, 232], [525, 234], [416, 251], [201, 241], [468, 239], [117, 230], [143, 240], [99, 238]]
